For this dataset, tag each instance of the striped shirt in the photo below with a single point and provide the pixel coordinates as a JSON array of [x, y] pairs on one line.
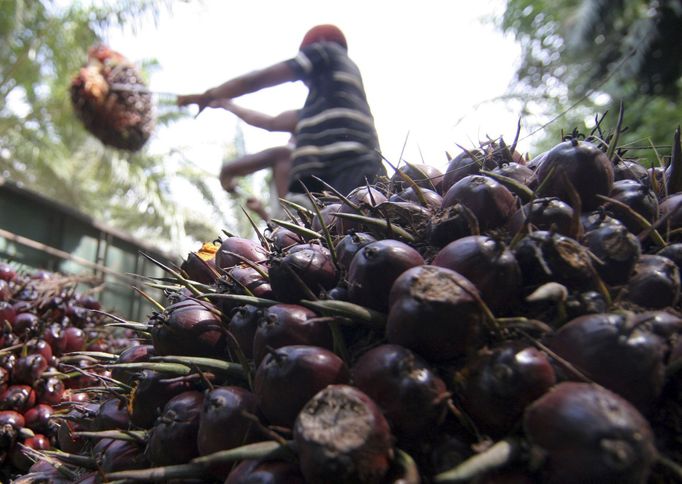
[[335, 134]]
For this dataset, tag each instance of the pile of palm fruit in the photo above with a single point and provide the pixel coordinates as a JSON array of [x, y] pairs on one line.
[[509, 320]]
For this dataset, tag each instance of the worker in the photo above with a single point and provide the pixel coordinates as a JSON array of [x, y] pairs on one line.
[[334, 138]]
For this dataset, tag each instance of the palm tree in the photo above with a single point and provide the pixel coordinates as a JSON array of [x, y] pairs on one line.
[[43, 147]]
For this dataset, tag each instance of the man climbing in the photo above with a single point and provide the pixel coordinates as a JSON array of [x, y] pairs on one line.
[[334, 135]]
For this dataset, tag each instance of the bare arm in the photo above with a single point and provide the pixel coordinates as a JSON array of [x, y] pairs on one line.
[[250, 82], [285, 121], [251, 163]]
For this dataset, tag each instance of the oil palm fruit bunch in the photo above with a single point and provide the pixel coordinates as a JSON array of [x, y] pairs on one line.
[[112, 100], [525, 328], [47, 325]]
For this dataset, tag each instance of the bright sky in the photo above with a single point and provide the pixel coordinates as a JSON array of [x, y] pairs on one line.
[[428, 67]]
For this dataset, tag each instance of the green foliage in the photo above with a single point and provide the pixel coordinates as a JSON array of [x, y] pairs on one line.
[[45, 148], [584, 57]]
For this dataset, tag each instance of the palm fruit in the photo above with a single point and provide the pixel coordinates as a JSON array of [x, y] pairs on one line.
[[112, 101]]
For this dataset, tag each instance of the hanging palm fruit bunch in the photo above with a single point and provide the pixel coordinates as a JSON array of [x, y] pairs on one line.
[[112, 101]]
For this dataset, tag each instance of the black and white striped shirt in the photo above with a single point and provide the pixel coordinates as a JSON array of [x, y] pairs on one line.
[[335, 132]]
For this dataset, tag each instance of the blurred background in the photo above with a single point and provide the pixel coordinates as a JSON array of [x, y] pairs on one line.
[[440, 76]]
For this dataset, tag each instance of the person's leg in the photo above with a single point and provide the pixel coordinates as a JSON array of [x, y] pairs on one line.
[[280, 173]]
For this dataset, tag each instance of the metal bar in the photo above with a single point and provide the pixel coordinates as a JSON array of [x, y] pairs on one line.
[[61, 254], [138, 88]]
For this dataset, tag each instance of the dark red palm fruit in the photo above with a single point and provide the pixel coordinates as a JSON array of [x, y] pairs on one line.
[[7, 313], [20, 459], [589, 434], [25, 324], [671, 207], [243, 326], [28, 369], [55, 337], [488, 200], [281, 239], [190, 328], [8, 360], [243, 248], [450, 223], [582, 303], [303, 266], [597, 219], [544, 257], [290, 376], [544, 214], [655, 282], [631, 170], [463, 165], [173, 439], [75, 339], [265, 472], [7, 337], [151, 392], [637, 197], [342, 437], [18, 397], [516, 171], [666, 324], [364, 199], [4, 379], [21, 306], [119, 455], [582, 164], [616, 351], [49, 390], [349, 245], [617, 249], [79, 418], [289, 324], [40, 347], [112, 415], [223, 421], [38, 418], [411, 396], [672, 252], [49, 473], [132, 354], [432, 199], [535, 162], [200, 265], [249, 278], [7, 273], [487, 263], [434, 312], [425, 176], [375, 267], [500, 383], [10, 424], [328, 217], [88, 301]]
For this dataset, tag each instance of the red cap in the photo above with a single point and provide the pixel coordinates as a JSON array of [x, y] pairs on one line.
[[324, 33]]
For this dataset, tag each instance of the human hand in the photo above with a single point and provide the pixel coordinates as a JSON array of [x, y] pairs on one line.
[[256, 206], [228, 183], [201, 100], [252, 203], [226, 104]]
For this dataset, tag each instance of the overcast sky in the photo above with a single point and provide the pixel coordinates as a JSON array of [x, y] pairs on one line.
[[429, 68]]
